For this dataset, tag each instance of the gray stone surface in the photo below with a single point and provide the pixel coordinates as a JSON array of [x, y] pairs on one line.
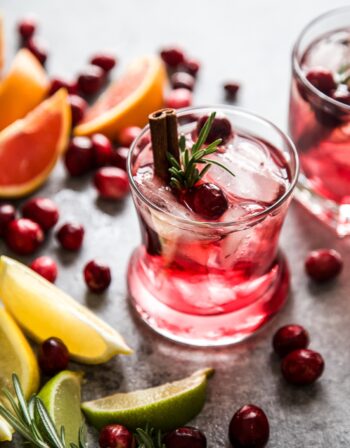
[[251, 41]]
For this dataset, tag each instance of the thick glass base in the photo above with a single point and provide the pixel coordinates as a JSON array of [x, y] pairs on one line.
[[246, 308]]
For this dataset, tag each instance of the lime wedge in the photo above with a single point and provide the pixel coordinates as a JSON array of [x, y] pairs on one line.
[[164, 407], [62, 398]]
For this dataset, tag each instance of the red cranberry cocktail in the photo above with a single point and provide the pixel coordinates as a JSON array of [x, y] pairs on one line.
[[319, 117], [211, 206]]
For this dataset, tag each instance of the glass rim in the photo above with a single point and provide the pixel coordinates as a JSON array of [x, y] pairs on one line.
[[209, 224], [297, 67]]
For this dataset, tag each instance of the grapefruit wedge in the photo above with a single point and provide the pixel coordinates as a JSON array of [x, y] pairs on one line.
[[29, 148], [128, 101], [23, 88]]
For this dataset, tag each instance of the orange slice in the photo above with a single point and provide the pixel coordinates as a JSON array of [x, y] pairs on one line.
[[23, 88], [29, 148], [128, 101]]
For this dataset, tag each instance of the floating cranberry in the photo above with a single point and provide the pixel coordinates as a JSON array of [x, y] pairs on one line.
[[24, 236], [46, 267], [79, 157], [128, 135], [27, 27], [302, 367], [209, 201], [7, 214], [59, 83], [91, 79], [78, 107], [290, 338], [97, 276], [178, 98], [323, 264], [182, 80], [231, 89], [104, 61], [342, 97], [53, 356], [116, 436], [185, 437], [322, 79], [191, 66], [42, 211], [172, 56], [38, 50], [102, 150], [71, 236], [120, 157], [249, 428], [221, 128], [112, 182]]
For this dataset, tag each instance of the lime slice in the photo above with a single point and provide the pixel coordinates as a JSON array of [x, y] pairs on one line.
[[62, 398], [164, 407]]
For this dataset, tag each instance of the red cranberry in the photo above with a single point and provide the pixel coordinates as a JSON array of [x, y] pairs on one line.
[[112, 182], [209, 201], [91, 79], [42, 211], [78, 107], [59, 83], [104, 61], [71, 236], [116, 436], [178, 98], [97, 276], [24, 236], [185, 437], [290, 338], [231, 89], [322, 79], [46, 267], [128, 135], [102, 150], [79, 157], [343, 97], [182, 80], [191, 66], [249, 428], [53, 356], [38, 50], [172, 56], [221, 128], [302, 367], [7, 214], [323, 264], [120, 157], [27, 28]]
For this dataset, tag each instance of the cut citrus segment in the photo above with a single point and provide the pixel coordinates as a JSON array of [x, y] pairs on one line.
[[44, 311], [128, 101], [61, 397], [23, 88], [165, 407], [29, 148]]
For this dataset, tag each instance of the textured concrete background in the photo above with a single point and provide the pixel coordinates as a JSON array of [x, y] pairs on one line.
[[249, 41]]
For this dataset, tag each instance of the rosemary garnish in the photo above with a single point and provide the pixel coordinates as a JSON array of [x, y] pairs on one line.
[[149, 438], [185, 174]]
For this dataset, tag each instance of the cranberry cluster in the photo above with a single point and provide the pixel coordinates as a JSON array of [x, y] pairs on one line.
[[27, 29]]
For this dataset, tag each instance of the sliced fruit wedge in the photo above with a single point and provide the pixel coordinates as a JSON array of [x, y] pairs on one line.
[[128, 101], [23, 88], [164, 407], [43, 311], [62, 398], [29, 148]]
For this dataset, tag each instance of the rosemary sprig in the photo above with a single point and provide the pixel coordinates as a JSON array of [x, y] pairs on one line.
[[149, 438], [185, 174]]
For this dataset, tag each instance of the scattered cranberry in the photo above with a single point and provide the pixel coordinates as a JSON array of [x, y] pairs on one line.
[[102, 150], [178, 98], [209, 201], [78, 107], [120, 157], [343, 97], [53, 356], [42, 211], [302, 367], [191, 66], [231, 90], [91, 79], [290, 338], [185, 437], [104, 61], [112, 182], [249, 428], [71, 236], [322, 79], [182, 80], [46, 267], [38, 50], [221, 128], [27, 28], [7, 214], [97, 276], [172, 56], [24, 236], [79, 157], [323, 264], [116, 436], [59, 83], [128, 135]]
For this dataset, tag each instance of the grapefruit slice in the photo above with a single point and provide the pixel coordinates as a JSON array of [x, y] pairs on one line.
[[23, 88], [29, 148], [128, 101]]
